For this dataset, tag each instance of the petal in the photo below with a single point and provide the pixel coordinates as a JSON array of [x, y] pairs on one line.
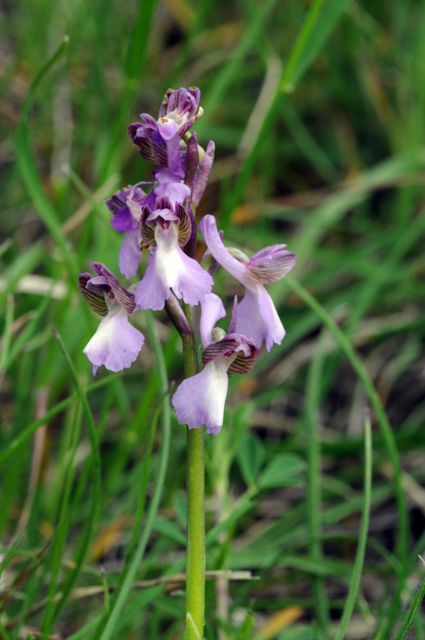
[[110, 285], [167, 128], [151, 292], [170, 268], [163, 109], [258, 319], [185, 126], [162, 176], [177, 271], [238, 352], [176, 192], [122, 220], [250, 322], [130, 254], [234, 320], [116, 343], [196, 93], [275, 330], [192, 160], [270, 264], [117, 201], [138, 136], [191, 282], [149, 121], [94, 298], [208, 227], [200, 399], [203, 174], [246, 356], [212, 310], [174, 161], [224, 348]]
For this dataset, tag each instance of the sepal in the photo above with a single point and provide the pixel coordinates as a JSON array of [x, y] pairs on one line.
[[270, 264], [233, 344], [112, 287], [95, 299]]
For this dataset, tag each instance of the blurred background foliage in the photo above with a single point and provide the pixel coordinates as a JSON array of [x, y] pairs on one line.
[[317, 111]]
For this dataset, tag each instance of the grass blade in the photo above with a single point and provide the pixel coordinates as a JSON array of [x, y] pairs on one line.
[[96, 471], [32, 428], [387, 434], [314, 33], [28, 167], [314, 478], [402, 632], [358, 564], [230, 70], [5, 343]]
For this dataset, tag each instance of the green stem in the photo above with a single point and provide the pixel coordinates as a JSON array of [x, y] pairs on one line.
[[195, 563]]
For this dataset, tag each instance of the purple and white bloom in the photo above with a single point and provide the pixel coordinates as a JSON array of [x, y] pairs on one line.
[[160, 141], [126, 206], [200, 400], [116, 343], [167, 228], [257, 315]]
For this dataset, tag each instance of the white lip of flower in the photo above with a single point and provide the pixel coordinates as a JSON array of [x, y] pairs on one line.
[[168, 259], [167, 231], [219, 382]]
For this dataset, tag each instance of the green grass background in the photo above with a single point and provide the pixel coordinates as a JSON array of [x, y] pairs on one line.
[[315, 482]]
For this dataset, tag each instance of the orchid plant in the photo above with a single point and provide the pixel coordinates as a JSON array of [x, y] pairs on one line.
[[162, 222]]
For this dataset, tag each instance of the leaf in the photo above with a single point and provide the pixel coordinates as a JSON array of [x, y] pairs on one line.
[[191, 632], [320, 22], [411, 613], [246, 627], [29, 170], [282, 471], [180, 505], [250, 456], [169, 529], [361, 548]]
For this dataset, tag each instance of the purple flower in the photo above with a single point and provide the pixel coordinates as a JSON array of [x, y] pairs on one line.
[[116, 343], [177, 112], [166, 228], [126, 206], [159, 140], [200, 400], [257, 315]]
